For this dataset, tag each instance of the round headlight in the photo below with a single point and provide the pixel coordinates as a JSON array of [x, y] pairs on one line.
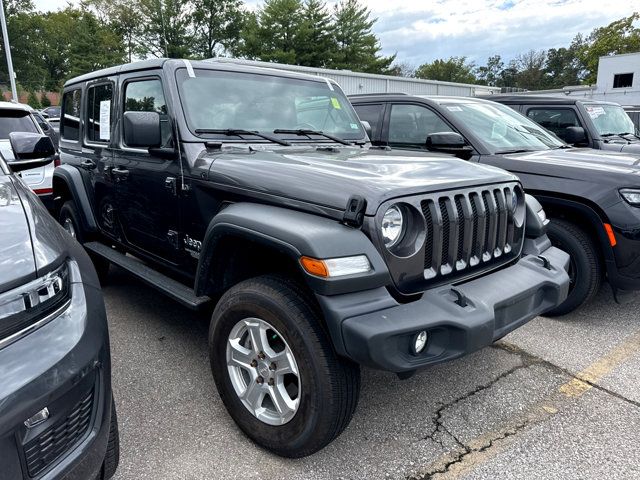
[[392, 226]]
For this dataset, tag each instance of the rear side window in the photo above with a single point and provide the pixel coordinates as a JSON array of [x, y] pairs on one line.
[[99, 113], [15, 121], [70, 124], [555, 120], [371, 114], [148, 96]]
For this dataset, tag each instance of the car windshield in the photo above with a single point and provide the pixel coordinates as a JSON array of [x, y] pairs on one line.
[[502, 129], [221, 100], [15, 121], [610, 119]]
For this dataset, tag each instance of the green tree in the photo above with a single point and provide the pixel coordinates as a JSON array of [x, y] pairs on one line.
[[33, 100], [356, 46], [491, 73], [621, 36], [273, 34], [531, 70], [167, 28], [403, 69], [315, 39], [453, 69], [44, 101], [563, 67], [217, 25]]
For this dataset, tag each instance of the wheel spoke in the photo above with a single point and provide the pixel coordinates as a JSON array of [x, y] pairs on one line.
[[239, 356], [285, 363], [281, 400], [253, 396], [258, 335]]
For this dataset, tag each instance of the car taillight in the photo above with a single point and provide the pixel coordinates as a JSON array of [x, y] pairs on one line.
[[56, 161]]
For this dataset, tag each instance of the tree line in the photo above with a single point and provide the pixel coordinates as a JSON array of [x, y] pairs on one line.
[[48, 48], [540, 69]]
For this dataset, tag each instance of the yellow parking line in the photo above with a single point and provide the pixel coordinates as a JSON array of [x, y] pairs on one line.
[[603, 366]]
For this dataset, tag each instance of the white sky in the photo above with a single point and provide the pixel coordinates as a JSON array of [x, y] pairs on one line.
[[421, 30]]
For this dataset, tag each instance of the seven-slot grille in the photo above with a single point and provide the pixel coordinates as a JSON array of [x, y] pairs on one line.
[[58, 439], [470, 229]]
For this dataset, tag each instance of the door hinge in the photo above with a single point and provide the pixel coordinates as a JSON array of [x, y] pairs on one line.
[[354, 213], [171, 184], [174, 239]]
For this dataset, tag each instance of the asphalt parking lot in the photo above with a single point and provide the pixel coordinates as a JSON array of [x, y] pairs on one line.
[[555, 399]]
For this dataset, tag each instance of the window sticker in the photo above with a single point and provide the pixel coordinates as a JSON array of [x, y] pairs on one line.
[[105, 120], [354, 126], [336, 103], [454, 109], [595, 112]]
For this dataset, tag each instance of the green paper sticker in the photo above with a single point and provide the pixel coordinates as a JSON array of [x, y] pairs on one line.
[[335, 103]]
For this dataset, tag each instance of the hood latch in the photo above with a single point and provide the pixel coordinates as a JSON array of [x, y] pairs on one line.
[[354, 213]]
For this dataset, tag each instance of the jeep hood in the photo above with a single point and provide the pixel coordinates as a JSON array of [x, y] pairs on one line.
[[31, 240], [328, 177]]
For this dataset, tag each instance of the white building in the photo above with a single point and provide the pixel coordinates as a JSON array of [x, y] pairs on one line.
[[618, 81], [356, 83]]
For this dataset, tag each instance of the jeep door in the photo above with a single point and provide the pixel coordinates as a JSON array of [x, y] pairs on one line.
[[148, 208], [86, 143]]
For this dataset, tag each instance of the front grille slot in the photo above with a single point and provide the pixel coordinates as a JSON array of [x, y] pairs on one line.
[[60, 438], [469, 231]]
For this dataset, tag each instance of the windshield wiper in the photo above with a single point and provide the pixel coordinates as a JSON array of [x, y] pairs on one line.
[[302, 131], [521, 150], [239, 132]]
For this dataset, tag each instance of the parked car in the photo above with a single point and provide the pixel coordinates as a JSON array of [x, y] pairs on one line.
[[592, 197], [579, 122], [46, 127], [17, 117], [53, 117], [57, 418], [255, 193], [634, 115]]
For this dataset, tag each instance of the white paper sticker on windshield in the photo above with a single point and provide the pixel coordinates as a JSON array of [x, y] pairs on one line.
[[454, 109], [105, 120], [595, 112]]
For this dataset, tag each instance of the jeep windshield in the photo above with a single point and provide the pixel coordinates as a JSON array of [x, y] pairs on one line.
[[611, 120], [216, 101], [502, 129]]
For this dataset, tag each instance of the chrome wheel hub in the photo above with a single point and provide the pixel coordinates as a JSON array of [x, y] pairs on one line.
[[263, 371]]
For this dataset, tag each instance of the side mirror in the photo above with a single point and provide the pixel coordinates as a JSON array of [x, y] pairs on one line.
[[575, 135], [367, 128], [445, 141], [142, 129], [30, 150]]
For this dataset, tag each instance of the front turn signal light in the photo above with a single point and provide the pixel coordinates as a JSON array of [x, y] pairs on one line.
[[336, 267]]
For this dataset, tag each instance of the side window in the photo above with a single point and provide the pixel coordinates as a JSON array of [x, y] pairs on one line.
[[555, 119], [99, 113], [147, 96], [70, 124], [371, 114], [410, 125]]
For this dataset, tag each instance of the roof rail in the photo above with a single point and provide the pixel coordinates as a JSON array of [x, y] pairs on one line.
[[376, 94]]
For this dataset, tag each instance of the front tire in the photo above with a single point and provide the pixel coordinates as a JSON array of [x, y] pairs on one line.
[[585, 268], [112, 457], [70, 221], [266, 326]]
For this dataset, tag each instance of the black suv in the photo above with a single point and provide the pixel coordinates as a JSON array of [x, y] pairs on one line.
[[581, 123], [255, 193], [593, 197], [57, 418]]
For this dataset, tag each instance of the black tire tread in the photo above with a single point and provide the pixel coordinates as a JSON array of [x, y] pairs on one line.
[[112, 457], [594, 264]]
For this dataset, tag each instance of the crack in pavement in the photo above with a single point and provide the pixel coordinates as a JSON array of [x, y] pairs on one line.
[[455, 458]]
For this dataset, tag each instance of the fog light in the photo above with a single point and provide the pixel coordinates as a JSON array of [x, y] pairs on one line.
[[419, 342]]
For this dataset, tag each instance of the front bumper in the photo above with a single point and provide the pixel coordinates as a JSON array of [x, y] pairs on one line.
[[65, 367], [378, 332]]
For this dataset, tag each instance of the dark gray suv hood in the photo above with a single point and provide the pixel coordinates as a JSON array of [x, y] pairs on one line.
[[329, 177], [32, 242]]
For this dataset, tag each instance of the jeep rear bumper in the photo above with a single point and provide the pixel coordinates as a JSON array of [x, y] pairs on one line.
[[378, 332]]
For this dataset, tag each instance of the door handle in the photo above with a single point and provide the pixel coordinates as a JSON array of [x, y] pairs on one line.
[[88, 164], [120, 173]]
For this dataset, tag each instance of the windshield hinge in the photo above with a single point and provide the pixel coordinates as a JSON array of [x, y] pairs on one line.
[[354, 213]]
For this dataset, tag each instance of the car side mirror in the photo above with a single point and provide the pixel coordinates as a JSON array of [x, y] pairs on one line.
[[575, 135], [142, 129], [30, 150], [367, 128], [445, 141]]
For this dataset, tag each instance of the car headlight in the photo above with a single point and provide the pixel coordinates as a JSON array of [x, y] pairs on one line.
[[632, 196], [392, 226]]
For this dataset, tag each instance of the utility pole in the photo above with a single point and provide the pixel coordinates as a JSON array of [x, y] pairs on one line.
[[7, 49]]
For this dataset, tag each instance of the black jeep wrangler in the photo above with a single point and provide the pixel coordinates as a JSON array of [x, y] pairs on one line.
[[256, 193], [592, 197]]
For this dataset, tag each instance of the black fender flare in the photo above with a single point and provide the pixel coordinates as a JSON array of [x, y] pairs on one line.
[[294, 234], [72, 178]]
